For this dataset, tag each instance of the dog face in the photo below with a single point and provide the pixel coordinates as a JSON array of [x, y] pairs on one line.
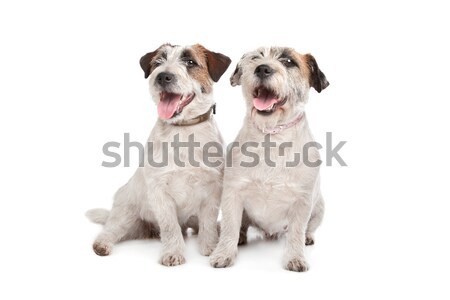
[[181, 79], [276, 81]]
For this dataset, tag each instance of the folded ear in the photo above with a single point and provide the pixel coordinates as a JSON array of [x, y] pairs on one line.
[[317, 79], [145, 62], [235, 79], [217, 64]]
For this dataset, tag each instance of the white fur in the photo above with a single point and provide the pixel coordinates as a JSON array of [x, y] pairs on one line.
[[160, 201], [275, 199]]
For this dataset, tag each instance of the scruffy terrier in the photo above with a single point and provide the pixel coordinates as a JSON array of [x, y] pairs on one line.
[[161, 200], [278, 196]]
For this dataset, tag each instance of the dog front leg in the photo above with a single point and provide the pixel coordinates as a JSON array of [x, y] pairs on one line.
[[226, 250], [209, 211], [300, 212], [170, 232]]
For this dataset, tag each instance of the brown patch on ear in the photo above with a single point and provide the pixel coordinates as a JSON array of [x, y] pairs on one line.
[[217, 63], [200, 72], [146, 60], [317, 79]]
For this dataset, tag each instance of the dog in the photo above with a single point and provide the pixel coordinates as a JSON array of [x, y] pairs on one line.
[[162, 201], [274, 197]]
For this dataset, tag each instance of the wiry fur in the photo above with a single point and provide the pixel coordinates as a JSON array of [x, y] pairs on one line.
[[163, 201], [98, 215], [276, 199]]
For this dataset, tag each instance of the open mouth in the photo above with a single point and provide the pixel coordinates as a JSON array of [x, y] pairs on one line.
[[266, 101], [171, 104]]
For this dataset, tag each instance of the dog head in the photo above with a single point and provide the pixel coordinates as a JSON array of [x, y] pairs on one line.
[[181, 79], [276, 82]]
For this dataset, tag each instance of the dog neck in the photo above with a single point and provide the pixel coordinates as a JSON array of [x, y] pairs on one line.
[[279, 128], [197, 120]]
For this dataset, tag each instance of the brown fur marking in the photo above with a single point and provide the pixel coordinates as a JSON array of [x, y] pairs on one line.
[[317, 79], [200, 73], [147, 61]]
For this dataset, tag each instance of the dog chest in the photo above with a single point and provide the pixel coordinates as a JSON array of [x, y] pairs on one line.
[[188, 188], [267, 202]]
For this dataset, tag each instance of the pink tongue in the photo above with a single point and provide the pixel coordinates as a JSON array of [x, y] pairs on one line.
[[167, 105], [264, 101]]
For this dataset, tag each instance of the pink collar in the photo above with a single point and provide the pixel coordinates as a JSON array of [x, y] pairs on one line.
[[280, 128]]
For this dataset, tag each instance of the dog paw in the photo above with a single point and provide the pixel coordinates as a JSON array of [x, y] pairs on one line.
[[296, 265], [171, 260], [271, 236], [309, 240], [206, 249], [102, 249], [154, 234], [219, 261], [242, 239], [222, 259]]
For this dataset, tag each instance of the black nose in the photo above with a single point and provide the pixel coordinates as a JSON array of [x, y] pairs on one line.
[[165, 78], [263, 71]]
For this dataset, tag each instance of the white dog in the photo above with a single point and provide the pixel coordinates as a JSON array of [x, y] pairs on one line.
[[160, 200], [278, 195]]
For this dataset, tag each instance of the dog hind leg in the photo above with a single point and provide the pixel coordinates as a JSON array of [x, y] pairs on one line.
[[245, 224], [118, 227]]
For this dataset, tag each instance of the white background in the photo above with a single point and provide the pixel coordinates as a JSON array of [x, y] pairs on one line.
[[70, 81]]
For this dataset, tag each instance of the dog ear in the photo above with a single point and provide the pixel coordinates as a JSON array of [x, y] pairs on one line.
[[317, 79], [145, 62], [235, 79], [217, 64]]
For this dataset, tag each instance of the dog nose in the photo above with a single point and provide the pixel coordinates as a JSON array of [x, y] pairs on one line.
[[165, 78], [263, 71]]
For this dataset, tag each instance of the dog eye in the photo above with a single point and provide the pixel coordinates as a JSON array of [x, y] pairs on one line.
[[254, 57], [190, 63], [288, 63]]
